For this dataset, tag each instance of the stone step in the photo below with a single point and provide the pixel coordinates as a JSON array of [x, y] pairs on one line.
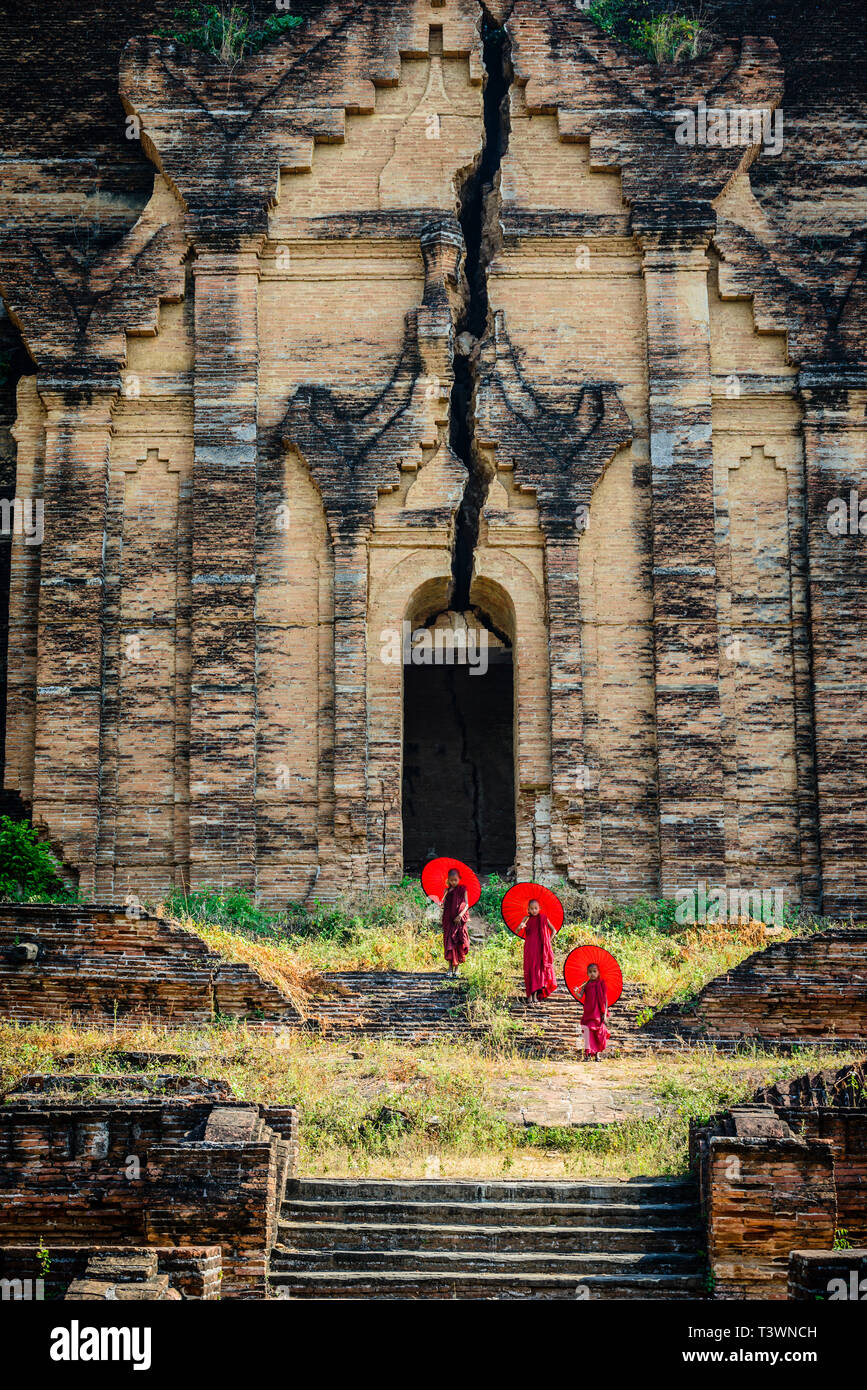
[[423, 1007], [384, 1285], [626, 1192], [532, 1214], [308, 1237], [464, 1238], [504, 1262]]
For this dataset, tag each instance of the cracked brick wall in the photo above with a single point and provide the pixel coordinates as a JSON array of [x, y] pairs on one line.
[[411, 313]]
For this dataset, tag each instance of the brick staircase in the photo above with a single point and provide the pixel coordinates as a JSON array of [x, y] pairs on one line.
[[423, 1008], [414, 1007], [555, 1027], [426, 1008], [488, 1240]]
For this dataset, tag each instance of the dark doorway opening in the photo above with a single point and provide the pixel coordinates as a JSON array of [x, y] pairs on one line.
[[459, 764], [14, 363]]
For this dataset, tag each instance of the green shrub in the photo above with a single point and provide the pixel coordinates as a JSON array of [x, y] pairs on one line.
[[493, 893], [672, 38], [28, 869], [339, 923], [228, 32], [661, 33], [234, 909]]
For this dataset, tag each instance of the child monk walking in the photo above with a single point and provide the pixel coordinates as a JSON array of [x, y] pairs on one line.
[[456, 915], [594, 1020], [539, 977]]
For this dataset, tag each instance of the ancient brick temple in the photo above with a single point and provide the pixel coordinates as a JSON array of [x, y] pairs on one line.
[[415, 321]]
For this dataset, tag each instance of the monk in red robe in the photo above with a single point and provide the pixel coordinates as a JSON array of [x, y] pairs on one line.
[[594, 1020], [536, 931], [456, 916]]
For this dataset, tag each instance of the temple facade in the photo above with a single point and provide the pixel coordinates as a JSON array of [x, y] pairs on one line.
[[453, 455]]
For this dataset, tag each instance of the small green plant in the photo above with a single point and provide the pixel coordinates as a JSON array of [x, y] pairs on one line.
[[43, 1259], [663, 34], [340, 923], [841, 1239], [493, 892], [227, 32], [672, 38], [233, 909], [28, 869]]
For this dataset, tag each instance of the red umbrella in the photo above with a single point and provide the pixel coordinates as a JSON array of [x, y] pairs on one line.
[[575, 970], [434, 879], [515, 903]]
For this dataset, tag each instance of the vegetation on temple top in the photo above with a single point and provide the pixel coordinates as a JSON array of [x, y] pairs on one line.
[[228, 32], [666, 36]]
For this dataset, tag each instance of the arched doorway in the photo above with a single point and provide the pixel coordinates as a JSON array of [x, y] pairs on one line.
[[458, 793]]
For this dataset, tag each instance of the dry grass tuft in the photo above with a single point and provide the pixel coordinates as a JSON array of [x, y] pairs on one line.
[[273, 960]]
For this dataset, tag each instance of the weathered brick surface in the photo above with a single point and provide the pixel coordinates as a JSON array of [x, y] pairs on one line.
[[838, 1275], [846, 1132], [780, 1175], [810, 988], [191, 1271], [765, 1197], [101, 964], [257, 393], [127, 1173]]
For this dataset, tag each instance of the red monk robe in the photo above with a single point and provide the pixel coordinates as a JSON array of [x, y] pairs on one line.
[[456, 931], [539, 976], [595, 999]]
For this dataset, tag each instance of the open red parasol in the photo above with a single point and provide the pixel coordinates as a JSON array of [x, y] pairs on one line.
[[434, 879], [515, 903], [575, 970]]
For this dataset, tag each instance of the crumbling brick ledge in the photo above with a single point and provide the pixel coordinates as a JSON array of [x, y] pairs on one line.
[[812, 989], [104, 965], [782, 1174], [828, 1275], [120, 1172], [29, 1272]]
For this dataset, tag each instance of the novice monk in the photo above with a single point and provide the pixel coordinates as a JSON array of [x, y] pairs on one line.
[[456, 912], [594, 1019], [539, 977]]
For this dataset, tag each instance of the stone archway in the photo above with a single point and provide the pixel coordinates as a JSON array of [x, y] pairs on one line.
[[412, 592]]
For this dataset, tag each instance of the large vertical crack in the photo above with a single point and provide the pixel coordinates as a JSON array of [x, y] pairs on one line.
[[480, 222]]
